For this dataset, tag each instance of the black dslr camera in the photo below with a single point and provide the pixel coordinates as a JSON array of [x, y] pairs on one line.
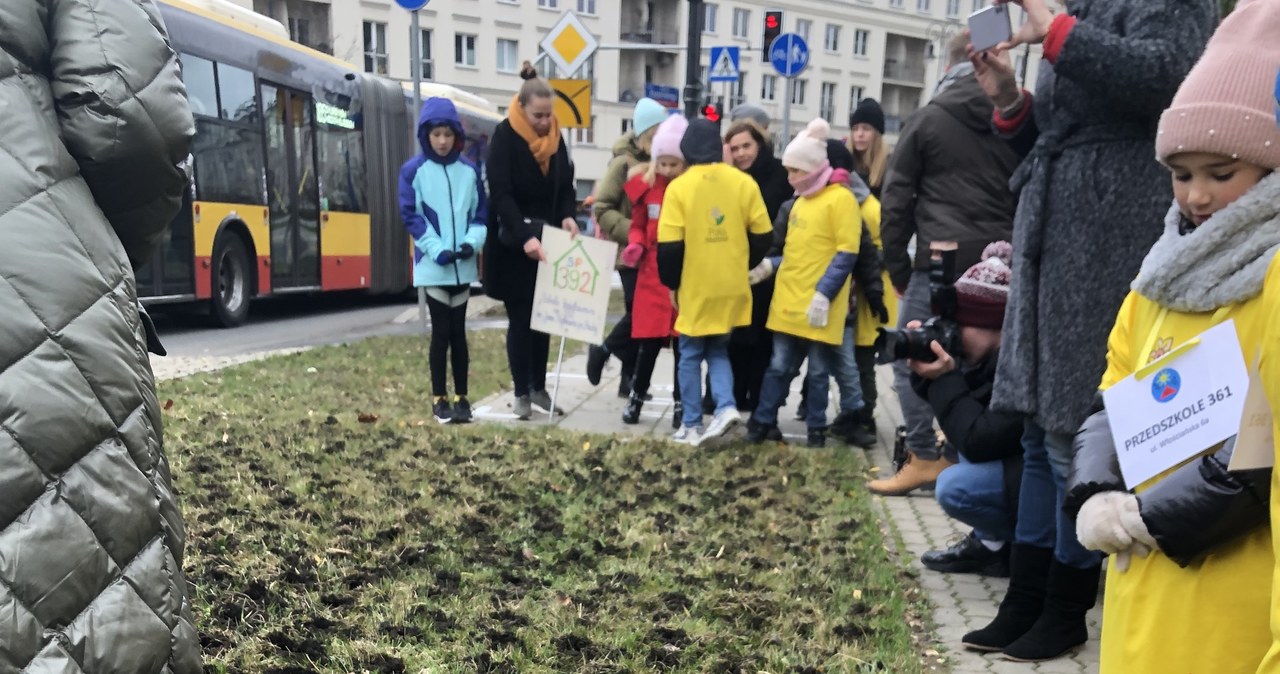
[[913, 343]]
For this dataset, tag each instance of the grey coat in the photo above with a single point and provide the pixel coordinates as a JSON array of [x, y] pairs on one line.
[[95, 125], [1093, 197]]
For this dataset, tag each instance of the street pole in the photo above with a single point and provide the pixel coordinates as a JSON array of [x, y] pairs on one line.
[[786, 112], [693, 61], [415, 47]]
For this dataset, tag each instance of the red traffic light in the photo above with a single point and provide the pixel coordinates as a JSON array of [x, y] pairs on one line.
[[711, 112], [771, 20], [772, 29]]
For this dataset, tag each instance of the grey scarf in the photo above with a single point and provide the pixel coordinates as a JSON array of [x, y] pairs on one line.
[[1220, 263]]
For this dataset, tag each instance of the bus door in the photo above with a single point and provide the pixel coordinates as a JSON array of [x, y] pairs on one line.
[[293, 193]]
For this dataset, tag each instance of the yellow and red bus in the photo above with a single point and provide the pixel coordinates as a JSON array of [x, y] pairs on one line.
[[295, 167]]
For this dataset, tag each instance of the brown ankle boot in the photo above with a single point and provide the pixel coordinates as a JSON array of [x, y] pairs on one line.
[[916, 474]]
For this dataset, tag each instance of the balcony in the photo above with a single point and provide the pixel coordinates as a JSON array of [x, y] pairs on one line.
[[892, 124], [641, 34], [905, 73]]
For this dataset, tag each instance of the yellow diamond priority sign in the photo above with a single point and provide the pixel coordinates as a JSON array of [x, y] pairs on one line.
[[569, 44]]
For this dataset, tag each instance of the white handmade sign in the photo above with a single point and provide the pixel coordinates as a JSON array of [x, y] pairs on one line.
[[571, 297], [1178, 406]]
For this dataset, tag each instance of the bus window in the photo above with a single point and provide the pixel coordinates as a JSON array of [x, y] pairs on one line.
[[202, 89], [229, 162], [342, 172], [236, 93]]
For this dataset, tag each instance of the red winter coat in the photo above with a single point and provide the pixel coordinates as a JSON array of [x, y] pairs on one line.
[[652, 315]]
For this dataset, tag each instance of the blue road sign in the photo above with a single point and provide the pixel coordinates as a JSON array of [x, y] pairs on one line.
[[724, 64], [412, 5], [789, 54], [668, 96]]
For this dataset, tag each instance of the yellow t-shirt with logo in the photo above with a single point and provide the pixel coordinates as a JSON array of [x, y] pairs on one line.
[[1211, 617], [712, 208], [820, 226]]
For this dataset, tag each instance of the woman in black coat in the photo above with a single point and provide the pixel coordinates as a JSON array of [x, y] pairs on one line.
[[530, 185], [751, 347]]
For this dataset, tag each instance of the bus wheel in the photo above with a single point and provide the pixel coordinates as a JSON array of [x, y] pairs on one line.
[[230, 281]]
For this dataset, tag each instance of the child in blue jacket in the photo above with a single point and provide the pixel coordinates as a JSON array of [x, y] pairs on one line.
[[443, 205]]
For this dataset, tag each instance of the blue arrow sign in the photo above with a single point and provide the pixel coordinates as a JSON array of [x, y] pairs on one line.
[[724, 64], [789, 54], [412, 5]]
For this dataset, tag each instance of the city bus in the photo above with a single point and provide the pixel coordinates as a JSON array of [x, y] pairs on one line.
[[295, 168]]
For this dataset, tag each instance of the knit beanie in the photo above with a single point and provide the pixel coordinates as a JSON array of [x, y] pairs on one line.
[[983, 290], [667, 142], [1226, 106], [752, 113], [648, 114], [808, 150], [701, 142], [839, 155], [868, 112]]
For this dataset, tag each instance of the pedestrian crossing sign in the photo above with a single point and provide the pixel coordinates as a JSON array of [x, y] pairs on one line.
[[724, 64]]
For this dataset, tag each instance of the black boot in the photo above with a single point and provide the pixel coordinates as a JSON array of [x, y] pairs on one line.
[[1070, 594], [597, 356], [1022, 604], [631, 415], [677, 415]]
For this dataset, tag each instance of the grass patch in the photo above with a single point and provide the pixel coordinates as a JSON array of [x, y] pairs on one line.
[[333, 528]]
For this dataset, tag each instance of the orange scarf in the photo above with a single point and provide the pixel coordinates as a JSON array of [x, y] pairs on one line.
[[543, 147]]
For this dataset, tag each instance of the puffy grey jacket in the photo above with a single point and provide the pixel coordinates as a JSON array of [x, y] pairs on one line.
[[95, 125]]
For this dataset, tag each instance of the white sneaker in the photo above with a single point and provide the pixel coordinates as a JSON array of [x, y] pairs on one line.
[[720, 424], [688, 435]]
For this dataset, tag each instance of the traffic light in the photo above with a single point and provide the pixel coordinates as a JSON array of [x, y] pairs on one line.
[[711, 111], [772, 29]]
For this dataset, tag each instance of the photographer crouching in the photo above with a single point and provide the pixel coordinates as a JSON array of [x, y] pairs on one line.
[[957, 380]]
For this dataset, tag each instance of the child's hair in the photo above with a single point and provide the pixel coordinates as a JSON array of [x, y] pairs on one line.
[[534, 86]]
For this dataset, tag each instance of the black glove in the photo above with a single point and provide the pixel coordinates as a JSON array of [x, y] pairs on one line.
[[465, 251], [445, 257], [875, 302]]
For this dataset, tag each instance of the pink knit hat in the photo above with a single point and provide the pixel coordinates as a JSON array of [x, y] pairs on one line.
[[666, 143], [1226, 105]]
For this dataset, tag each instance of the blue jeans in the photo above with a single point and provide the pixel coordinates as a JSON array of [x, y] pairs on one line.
[[789, 352], [715, 350], [844, 366], [973, 493], [1041, 521], [917, 413]]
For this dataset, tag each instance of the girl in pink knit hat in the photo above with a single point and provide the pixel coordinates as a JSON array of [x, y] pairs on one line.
[[653, 315], [1191, 549]]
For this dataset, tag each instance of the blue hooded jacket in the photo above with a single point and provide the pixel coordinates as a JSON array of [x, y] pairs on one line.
[[442, 203]]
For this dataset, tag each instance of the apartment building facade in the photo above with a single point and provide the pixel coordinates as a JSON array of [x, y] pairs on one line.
[[890, 50]]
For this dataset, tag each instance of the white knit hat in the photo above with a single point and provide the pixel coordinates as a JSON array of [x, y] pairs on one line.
[[808, 152]]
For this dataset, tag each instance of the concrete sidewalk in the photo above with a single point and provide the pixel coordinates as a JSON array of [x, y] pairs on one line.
[[960, 602]]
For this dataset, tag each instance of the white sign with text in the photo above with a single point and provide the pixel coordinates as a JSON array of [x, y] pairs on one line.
[[571, 296], [1178, 406]]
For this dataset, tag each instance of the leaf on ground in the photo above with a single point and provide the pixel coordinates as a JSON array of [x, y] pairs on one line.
[[367, 418], [168, 404]]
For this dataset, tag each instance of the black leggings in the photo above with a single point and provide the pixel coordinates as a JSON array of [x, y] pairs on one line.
[[619, 342], [647, 358], [866, 357], [448, 331], [526, 348]]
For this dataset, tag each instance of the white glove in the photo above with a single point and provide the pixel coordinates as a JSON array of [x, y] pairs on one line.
[[760, 272], [1112, 522], [819, 309]]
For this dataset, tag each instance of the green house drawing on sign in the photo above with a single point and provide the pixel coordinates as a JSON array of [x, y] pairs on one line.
[[569, 272]]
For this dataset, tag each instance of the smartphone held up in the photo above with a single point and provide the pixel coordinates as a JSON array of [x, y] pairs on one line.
[[989, 27]]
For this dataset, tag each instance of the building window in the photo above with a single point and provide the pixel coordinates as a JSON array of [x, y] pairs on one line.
[[741, 23], [828, 104], [587, 7], [769, 88], [979, 4], [424, 53], [803, 28], [896, 4], [833, 38], [855, 96], [375, 47], [586, 136], [549, 4], [860, 40], [953, 7], [738, 91], [626, 124], [922, 5], [508, 59], [299, 30], [464, 50], [709, 18], [798, 91]]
